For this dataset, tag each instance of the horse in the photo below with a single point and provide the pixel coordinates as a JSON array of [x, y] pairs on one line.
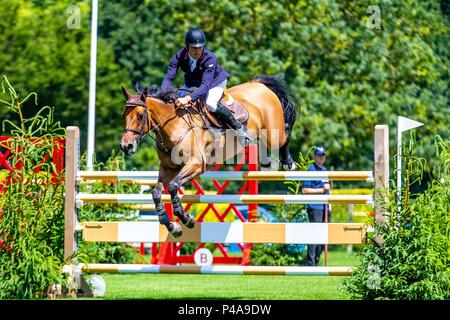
[[183, 141]]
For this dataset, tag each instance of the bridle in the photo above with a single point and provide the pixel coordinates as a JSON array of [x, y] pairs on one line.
[[141, 132]]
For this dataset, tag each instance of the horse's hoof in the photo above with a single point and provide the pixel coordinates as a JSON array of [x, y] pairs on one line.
[[244, 141], [191, 222], [266, 165], [274, 165], [176, 230], [289, 167]]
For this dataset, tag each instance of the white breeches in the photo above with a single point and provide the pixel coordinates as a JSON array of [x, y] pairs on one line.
[[213, 96]]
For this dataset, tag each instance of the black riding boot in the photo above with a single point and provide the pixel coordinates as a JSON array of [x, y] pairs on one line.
[[228, 119]]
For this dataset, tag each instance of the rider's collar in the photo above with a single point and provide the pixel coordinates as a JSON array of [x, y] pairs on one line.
[[192, 59], [187, 55]]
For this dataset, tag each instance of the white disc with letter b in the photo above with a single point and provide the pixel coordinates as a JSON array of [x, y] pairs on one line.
[[203, 257]]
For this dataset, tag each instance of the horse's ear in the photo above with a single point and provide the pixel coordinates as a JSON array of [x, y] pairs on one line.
[[137, 88], [126, 94], [144, 94], [154, 90]]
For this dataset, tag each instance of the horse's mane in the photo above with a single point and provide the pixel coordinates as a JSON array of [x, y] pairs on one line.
[[155, 91]]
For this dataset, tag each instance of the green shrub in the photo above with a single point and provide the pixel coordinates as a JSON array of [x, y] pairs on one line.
[[277, 255], [412, 261], [32, 210]]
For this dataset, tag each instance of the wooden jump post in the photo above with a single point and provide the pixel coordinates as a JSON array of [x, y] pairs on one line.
[[381, 172], [70, 210]]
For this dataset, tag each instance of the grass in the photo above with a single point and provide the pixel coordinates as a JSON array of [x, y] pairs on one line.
[[230, 287]]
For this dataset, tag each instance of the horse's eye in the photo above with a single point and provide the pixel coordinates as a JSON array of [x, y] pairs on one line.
[[140, 116]]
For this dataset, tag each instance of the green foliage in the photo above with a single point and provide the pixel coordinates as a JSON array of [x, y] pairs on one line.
[[40, 53], [277, 255], [106, 252], [412, 261], [345, 76], [32, 204], [189, 248]]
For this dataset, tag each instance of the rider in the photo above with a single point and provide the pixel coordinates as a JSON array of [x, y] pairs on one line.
[[202, 71]]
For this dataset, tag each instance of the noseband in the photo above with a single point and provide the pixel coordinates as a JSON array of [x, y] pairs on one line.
[[141, 133]]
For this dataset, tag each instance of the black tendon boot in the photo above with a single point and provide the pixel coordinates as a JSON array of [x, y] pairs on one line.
[[228, 119]]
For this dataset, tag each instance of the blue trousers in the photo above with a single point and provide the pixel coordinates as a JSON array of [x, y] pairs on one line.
[[314, 250]]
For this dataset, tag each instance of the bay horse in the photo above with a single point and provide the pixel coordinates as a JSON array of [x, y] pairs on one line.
[[183, 141]]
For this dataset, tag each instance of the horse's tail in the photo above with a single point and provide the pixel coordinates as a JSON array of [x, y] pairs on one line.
[[277, 85]]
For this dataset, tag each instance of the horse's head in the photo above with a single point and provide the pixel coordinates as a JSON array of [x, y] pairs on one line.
[[136, 121]]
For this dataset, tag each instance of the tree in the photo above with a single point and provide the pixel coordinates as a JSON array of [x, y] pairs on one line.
[[40, 53], [346, 76]]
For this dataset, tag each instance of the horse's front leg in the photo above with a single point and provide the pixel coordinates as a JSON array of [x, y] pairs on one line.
[[186, 174], [173, 227]]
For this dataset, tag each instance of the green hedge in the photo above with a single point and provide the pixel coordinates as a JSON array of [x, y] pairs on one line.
[[412, 260]]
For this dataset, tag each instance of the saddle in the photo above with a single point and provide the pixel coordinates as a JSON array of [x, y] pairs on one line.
[[238, 110]]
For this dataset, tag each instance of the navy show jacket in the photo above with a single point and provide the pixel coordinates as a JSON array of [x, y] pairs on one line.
[[316, 184], [206, 75]]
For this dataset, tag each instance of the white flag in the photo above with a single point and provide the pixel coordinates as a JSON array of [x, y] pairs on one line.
[[405, 124]]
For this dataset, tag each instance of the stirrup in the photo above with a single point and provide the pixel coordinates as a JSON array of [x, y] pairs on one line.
[[243, 137]]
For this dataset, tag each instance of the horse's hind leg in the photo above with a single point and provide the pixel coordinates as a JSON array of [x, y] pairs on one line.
[[187, 173], [275, 143], [286, 160]]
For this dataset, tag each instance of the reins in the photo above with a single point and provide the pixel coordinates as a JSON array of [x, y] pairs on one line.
[[141, 132]]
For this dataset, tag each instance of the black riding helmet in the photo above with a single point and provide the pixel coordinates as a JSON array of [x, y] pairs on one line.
[[195, 38]]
